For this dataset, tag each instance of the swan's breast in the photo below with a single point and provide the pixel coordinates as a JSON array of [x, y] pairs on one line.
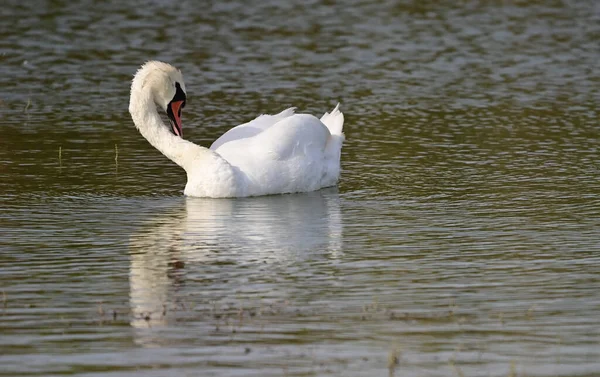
[[216, 178]]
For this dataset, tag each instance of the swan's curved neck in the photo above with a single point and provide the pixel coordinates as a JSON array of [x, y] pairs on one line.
[[148, 122]]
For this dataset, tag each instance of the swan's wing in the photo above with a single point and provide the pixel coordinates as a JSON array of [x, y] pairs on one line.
[[298, 135], [252, 128], [289, 156]]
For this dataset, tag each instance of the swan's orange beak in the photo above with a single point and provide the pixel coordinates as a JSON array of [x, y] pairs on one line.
[[174, 113]]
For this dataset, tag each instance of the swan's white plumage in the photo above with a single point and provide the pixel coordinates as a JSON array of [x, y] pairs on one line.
[[252, 128], [273, 154]]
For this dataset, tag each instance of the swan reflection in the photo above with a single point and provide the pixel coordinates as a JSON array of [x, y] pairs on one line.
[[199, 236]]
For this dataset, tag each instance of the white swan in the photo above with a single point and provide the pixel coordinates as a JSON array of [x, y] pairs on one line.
[[273, 154]]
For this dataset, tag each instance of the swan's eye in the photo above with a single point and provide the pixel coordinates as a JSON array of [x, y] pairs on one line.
[[183, 105]]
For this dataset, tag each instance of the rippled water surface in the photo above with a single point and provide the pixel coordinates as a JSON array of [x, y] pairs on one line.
[[463, 239]]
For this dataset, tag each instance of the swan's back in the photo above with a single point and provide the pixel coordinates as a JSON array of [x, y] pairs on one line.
[[252, 128], [286, 152]]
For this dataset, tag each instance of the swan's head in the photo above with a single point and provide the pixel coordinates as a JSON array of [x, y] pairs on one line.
[[165, 83]]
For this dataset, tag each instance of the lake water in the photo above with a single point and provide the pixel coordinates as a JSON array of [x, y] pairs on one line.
[[463, 239]]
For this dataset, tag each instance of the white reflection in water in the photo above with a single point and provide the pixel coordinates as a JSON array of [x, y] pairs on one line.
[[200, 232]]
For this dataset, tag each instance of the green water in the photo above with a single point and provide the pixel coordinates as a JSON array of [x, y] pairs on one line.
[[464, 236]]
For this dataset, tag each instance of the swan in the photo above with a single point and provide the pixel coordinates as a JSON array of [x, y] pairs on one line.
[[272, 154]]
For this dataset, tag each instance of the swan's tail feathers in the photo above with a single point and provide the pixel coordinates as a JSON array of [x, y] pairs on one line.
[[334, 121], [333, 149]]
